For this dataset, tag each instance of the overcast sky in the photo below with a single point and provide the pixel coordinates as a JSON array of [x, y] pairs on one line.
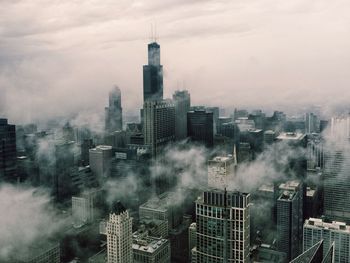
[[60, 57]]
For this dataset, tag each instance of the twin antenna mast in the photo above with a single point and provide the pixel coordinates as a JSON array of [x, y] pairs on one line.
[[153, 34]]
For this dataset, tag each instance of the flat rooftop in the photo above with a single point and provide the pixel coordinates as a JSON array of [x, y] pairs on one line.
[[291, 136], [334, 225], [147, 243]]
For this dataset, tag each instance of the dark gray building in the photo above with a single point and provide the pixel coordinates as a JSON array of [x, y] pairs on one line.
[[8, 154], [290, 218], [200, 127], [182, 101], [114, 112], [153, 74]]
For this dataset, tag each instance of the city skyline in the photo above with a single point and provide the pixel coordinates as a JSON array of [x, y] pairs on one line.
[[291, 54]]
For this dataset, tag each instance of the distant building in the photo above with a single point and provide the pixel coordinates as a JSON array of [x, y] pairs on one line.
[[153, 74], [290, 218], [86, 145], [8, 154], [43, 253], [119, 236], [114, 112], [312, 123], [192, 238], [83, 207], [159, 124], [100, 160], [293, 138], [221, 171], [182, 101], [200, 127], [148, 249], [64, 163], [269, 137], [223, 230], [335, 234]]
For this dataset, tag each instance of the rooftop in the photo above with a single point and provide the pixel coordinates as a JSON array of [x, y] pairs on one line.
[[334, 225], [145, 243], [291, 136]]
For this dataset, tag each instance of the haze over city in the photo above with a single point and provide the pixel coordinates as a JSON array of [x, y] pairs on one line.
[[174, 131], [64, 56]]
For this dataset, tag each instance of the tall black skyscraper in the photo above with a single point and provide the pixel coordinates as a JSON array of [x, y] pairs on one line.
[[200, 127], [8, 155], [153, 74], [114, 113]]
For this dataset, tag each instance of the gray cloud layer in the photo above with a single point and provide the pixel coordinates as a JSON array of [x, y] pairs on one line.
[[62, 57]]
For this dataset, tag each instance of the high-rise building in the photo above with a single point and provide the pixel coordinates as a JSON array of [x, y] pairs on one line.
[[85, 146], [200, 127], [290, 218], [8, 155], [159, 124], [153, 74], [64, 163], [335, 235], [312, 123], [336, 171], [182, 101], [100, 160], [83, 207], [192, 237], [119, 235], [221, 171], [114, 112], [223, 227]]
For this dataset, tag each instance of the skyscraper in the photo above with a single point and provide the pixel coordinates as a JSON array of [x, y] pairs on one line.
[[159, 124], [182, 101], [336, 171], [100, 160], [153, 74], [114, 113], [200, 127], [119, 235], [8, 155], [223, 227], [335, 234], [290, 218]]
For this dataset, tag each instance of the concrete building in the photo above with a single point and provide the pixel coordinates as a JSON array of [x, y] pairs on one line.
[[200, 127], [100, 159], [159, 124], [290, 218], [192, 236], [83, 207], [114, 111], [312, 123], [153, 74], [335, 234], [8, 154], [148, 249], [41, 253], [223, 227], [119, 236], [162, 208], [182, 101], [221, 171]]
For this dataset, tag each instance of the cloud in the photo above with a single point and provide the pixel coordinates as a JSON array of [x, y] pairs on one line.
[[27, 216], [60, 58]]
